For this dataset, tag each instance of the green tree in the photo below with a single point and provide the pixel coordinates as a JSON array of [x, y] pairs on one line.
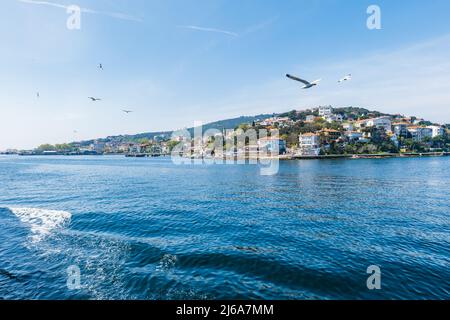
[[46, 147], [172, 144]]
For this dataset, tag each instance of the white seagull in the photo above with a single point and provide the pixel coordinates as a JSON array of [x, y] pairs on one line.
[[307, 84], [346, 78], [127, 111]]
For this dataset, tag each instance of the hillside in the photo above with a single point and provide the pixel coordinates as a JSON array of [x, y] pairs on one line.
[[219, 125]]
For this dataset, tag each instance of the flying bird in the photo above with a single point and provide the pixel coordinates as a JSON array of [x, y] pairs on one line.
[[94, 99], [127, 111], [307, 84], [38, 95], [100, 66], [346, 78]]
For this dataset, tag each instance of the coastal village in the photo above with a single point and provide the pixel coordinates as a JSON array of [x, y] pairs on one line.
[[313, 133]]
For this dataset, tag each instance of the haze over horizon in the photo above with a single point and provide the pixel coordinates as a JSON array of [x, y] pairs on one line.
[[173, 64]]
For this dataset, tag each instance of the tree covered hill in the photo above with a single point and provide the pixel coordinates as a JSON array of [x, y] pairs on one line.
[[219, 125]]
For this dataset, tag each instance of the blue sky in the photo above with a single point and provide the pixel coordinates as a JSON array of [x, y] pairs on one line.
[[176, 62]]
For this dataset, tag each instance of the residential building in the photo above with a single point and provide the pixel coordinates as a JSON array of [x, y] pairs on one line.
[[334, 117], [420, 133], [273, 145], [123, 148], [329, 135], [135, 148], [380, 123], [437, 131], [309, 144], [401, 129], [353, 135], [325, 111], [281, 121]]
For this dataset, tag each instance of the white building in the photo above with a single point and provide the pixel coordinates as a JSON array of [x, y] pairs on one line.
[[380, 123], [309, 144], [325, 111], [436, 131]]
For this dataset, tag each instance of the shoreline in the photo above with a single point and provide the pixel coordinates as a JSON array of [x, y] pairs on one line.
[[287, 157], [375, 156]]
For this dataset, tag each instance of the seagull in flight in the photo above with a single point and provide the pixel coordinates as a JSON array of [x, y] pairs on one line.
[[127, 111], [307, 84], [346, 78], [94, 99], [100, 66], [38, 95]]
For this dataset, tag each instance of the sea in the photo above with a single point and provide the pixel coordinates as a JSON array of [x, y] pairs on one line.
[[116, 228]]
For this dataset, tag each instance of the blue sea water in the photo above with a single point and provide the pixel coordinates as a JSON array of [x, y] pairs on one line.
[[149, 229]]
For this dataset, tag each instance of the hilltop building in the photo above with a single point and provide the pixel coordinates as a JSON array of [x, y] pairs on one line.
[[325, 111]]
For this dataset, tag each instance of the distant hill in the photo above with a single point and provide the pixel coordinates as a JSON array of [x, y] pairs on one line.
[[219, 125], [233, 123]]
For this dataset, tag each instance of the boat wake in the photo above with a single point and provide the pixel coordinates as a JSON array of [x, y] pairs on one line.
[[41, 221]]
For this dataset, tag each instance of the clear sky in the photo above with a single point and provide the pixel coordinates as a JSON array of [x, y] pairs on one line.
[[174, 62]]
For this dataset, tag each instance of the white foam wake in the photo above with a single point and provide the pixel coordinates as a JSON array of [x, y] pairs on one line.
[[41, 221]]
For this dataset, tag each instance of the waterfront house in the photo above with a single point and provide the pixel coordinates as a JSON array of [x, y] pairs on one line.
[[135, 148], [273, 145], [98, 147], [309, 144], [123, 148]]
